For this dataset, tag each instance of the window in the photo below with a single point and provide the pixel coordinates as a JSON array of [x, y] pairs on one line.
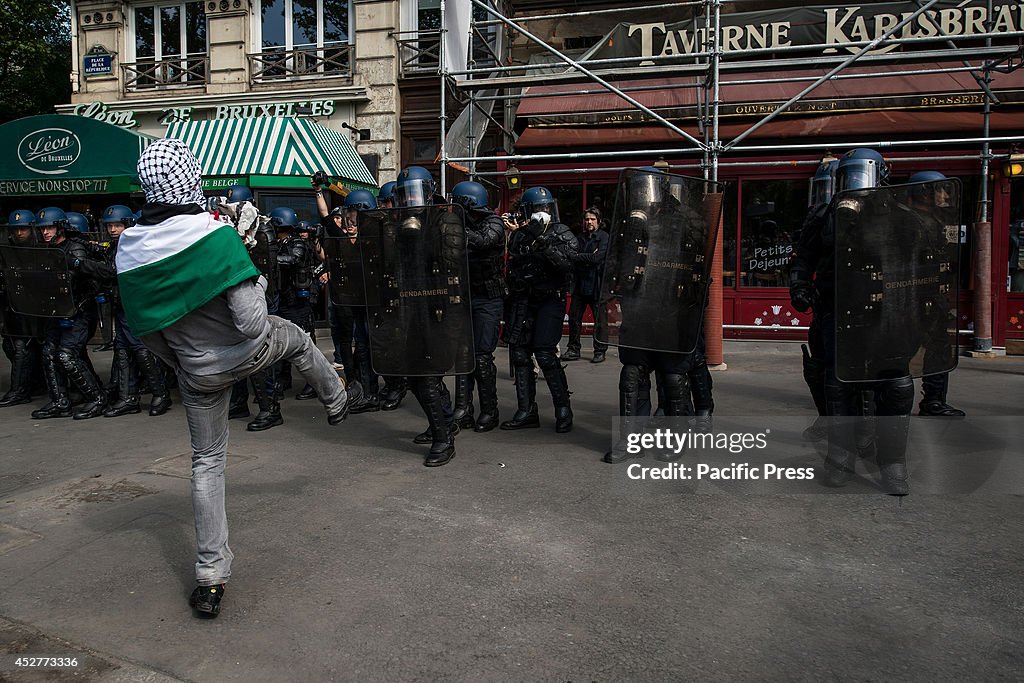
[[421, 51], [302, 37], [772, 210], [1015, 279], [168, 42]]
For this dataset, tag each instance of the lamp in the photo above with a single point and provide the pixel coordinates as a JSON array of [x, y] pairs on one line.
[[513, 177], [1013, 166], [661, 164], [362, 133]]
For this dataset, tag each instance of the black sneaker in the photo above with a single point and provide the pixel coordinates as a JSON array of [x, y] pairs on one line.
[[205, 600], [571, 354]]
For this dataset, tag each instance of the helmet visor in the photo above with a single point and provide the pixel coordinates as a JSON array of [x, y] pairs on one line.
[[413, 193], [857, 174], [820, 191]]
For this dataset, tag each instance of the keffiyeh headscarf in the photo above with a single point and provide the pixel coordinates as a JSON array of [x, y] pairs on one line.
[[170, 173]]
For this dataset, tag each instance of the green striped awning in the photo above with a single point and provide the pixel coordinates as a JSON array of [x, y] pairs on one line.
[[271, 147]]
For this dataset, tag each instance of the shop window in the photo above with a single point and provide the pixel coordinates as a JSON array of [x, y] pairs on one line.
[[168, 45], [302, 38], [602, 197], [771, 211], [728, 228], [570, 204], [1015, 279]]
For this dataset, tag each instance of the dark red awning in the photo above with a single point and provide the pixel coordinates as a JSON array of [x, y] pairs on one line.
[[566, 99], [885, 123]]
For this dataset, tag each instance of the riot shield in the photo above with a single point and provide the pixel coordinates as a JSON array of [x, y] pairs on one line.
[[264, 257], [416, 278], [658, 269], [897, 274], [37, 281], [345, 285]]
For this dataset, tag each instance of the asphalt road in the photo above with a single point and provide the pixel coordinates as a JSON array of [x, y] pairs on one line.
[[524, 559]]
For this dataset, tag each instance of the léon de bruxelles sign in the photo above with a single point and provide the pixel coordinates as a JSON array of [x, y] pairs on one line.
[[125, 118], [819, 25]]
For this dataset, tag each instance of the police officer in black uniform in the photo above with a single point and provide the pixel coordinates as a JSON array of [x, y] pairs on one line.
[[133, 360], [485, 237], [22, 334], [802, 294], [540, 262], [813, 274], [66, 338]]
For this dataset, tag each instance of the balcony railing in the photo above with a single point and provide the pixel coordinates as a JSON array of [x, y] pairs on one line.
[[170, 72], [306, 62], [420, 52]]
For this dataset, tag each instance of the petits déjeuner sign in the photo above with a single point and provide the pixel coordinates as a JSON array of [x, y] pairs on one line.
[[830, 26]]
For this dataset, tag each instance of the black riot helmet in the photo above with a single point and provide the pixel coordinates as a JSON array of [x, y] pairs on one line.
[[20, 228], [539, 200], [415, 188], [861, 169], [928, 188], [646, 189], [823, 184]]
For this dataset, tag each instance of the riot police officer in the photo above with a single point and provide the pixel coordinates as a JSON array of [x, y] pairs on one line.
[[802, 294], [657, 227], [127, 347], [261, 241], [386, 194], [934, 388], [66, 338], [395, 388], [813, 275], [540, 253], [296, 263], [485, 237], [21, 333], [415, 188]]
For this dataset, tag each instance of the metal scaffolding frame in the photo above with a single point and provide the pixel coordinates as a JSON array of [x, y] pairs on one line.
[[708, 66]]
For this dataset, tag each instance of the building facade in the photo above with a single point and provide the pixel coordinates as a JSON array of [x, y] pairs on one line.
[[147, 65]]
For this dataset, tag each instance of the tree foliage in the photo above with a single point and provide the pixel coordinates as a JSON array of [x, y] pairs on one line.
[[35, 57]]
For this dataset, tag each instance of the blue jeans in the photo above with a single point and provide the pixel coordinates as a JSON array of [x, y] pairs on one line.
[[206, 399]]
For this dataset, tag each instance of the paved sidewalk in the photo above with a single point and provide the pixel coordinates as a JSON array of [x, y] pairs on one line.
[[524, 559]]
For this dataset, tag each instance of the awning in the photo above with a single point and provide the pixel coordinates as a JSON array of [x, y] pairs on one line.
[[271, 147], [932, 93], [59, 154], [834, 126]]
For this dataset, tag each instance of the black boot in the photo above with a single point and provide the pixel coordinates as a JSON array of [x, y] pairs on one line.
[[395, 389], [442, 448], [464, 401], [307, 393], [87, 383], [60, 404], [558, 385], [703, 400], [128, 400], [526, 394], [22, 365], [266, 395], [632, 388], [891, 454], [151, 370], [676, 392], [486, 375], [239, 406]]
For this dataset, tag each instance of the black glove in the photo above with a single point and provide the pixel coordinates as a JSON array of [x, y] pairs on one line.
[[318, 179], [801, 297]]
